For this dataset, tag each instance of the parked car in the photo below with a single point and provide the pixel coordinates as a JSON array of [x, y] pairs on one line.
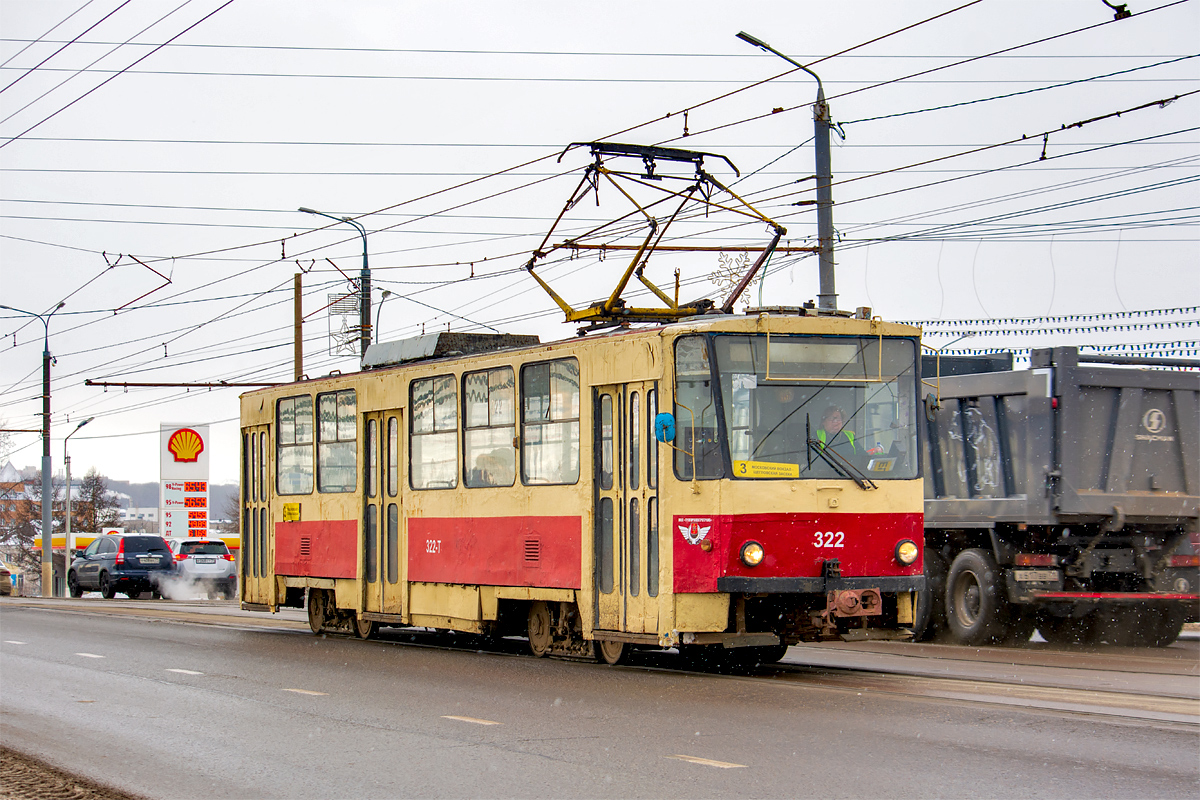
[[8, 579], [131, 563], [207, 563]]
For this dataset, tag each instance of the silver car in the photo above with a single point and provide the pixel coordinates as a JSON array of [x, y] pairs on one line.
[[207, 564]]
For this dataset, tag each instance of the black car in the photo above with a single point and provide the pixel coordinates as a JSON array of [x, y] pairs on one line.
[[128, 563]]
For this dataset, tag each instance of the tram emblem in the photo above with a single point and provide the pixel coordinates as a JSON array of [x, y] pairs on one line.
[[694, 532]]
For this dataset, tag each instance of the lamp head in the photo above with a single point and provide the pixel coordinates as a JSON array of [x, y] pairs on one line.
[[308, 210], [745, 37], [85, 422]]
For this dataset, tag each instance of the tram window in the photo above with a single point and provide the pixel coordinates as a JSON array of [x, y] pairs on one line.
[[337, 445], [550, 422], [695, 412], [605, 543], [393, 543], [254, 467], [489, 458], [652, 547], [263, 561], [606, 441], [372, 459], [245, 468], [262, 466], [635, 552], [433, 442], [370, 546], [393, 456], [635, 440], [294, 445], [247, 549], [651, 442]]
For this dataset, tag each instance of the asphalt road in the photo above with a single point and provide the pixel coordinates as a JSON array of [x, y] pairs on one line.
[[170, 709]]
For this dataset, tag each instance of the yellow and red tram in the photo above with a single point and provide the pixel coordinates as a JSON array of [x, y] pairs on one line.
[[670, 486]]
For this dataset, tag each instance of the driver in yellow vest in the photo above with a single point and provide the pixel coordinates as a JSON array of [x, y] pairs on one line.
[[833, 436]]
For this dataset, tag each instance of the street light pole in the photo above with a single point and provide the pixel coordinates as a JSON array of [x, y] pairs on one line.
[[68, 539], [827, 295], [364, 287], [47, 493]]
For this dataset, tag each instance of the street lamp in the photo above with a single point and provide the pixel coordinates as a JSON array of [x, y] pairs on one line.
[[364, 288], [47, 518], [386, 294], [68, 539], [827, 296]]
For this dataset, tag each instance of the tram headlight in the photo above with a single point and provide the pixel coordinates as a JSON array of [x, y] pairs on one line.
[[907, 552], [752, 554]]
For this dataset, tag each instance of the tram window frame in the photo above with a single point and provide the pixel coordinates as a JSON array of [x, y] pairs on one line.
[[709, 459], [550, 400], [433, 423], [337, 442], [489, 427], [294, 473], [393, 456]]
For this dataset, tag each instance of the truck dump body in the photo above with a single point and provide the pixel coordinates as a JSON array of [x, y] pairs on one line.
[[1079, 483]]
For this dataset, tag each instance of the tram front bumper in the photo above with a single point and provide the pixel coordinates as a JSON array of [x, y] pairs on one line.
[[820, 585]]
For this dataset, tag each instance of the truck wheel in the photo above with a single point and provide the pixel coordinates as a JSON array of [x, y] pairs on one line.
[[977, 609], [929, 618], [1165, 629], [1067, 630]]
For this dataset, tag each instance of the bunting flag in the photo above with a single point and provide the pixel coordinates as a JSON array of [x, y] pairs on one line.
[[1067, 319], [1129, 326]]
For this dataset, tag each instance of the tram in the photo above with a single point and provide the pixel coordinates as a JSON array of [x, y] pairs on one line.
[[681, 485]]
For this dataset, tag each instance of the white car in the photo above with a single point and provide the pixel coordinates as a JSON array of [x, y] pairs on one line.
[[206, 563]]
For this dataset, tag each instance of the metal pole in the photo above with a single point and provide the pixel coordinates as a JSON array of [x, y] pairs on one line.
[[827, 293], [297, 327], [364, 281], [47, 499], [68, 538]]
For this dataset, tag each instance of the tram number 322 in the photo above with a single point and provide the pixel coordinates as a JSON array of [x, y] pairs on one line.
[[433, 546], [828, 539]]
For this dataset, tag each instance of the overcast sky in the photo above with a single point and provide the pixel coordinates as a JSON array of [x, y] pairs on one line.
[[154, 154]]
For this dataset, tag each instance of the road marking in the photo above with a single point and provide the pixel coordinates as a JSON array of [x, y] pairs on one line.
[[472, 719], [306, 691], [185, 671], [89, 655], [708, 762], [12, 641]]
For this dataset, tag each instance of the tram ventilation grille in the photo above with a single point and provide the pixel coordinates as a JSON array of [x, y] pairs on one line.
[[533, 551], [305, 547]]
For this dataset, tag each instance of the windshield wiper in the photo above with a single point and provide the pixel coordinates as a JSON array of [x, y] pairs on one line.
[[839, 463]]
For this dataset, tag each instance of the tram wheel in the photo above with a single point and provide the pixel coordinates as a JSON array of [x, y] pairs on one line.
[[365, 628], [316, 610], [611, 652], [540, 628], [976, 606]]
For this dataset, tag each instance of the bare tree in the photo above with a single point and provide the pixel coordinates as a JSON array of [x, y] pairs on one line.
[[22, 522], [97, 506], [231, 510]]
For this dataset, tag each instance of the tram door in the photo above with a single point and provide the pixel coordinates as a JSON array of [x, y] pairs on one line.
[[626, 536], [380, 565], [258, 544]]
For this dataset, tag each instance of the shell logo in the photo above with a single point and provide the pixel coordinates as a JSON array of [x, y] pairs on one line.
[[185, 444]]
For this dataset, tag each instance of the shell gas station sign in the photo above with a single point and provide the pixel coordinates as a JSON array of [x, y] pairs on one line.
[[183, 480]]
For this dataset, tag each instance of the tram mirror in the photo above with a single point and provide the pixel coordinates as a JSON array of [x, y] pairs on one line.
[[664, 427]]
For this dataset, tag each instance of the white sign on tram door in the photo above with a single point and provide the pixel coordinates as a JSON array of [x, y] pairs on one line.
[[183, 480]]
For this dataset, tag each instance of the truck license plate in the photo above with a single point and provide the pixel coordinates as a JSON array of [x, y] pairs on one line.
[[1036, 575]]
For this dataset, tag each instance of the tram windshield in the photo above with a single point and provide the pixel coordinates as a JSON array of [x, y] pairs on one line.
[[797, 407]]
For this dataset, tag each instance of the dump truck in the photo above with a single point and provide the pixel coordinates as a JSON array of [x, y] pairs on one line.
[[1064, 498]]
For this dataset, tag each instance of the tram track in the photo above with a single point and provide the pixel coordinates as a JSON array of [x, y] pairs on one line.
[[1146, 686]]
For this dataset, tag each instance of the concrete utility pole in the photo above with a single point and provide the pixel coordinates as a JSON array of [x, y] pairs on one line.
[[47, 492], [364, 281], [827, 296]]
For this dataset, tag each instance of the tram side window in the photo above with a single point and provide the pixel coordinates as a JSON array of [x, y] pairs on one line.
[[550, 422], [337, 449], [433, 441], [490, 427], [695, 411], [294, 445]]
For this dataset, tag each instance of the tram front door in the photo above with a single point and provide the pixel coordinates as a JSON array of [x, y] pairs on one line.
[[256, 554], [626, 535], [382, 543]]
